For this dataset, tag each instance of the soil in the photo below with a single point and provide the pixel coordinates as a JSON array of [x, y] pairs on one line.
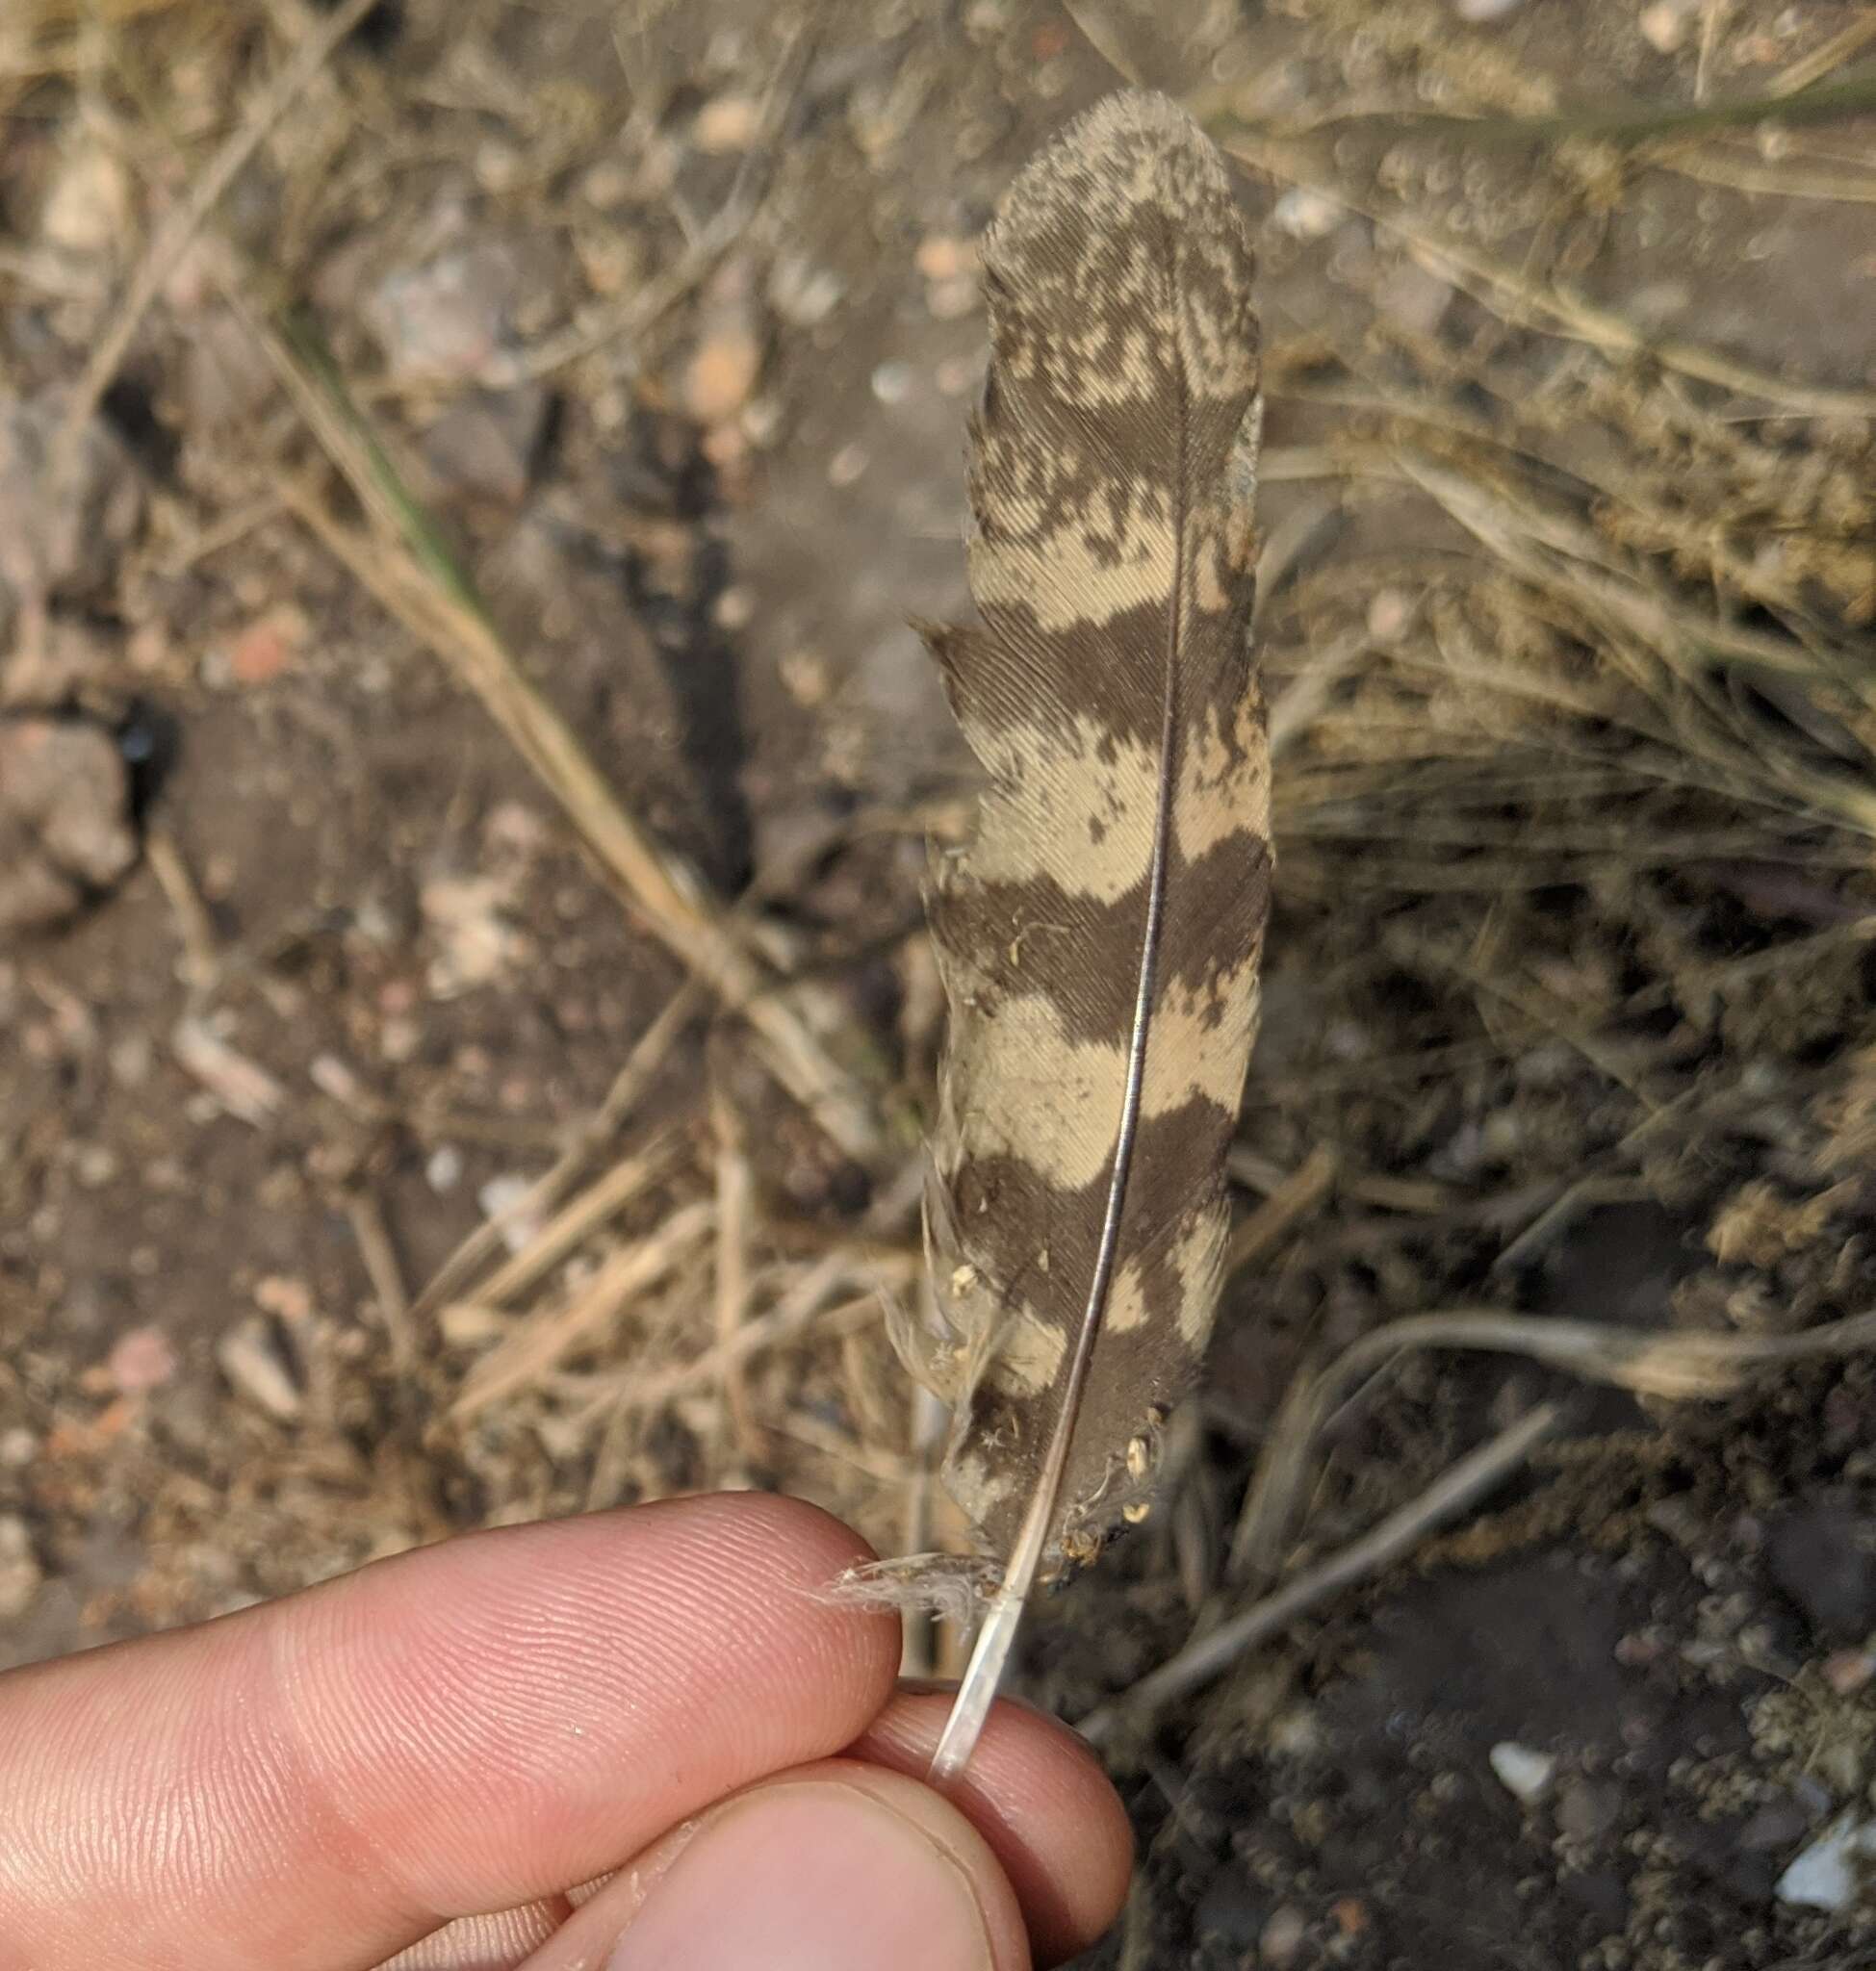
[[1569, 982]]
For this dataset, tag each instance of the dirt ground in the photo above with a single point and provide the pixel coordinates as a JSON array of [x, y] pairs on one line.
[[464, 771]]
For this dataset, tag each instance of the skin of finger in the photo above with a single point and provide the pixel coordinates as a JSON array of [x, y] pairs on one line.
[[318, 1784], [1041, 1799], [1032, 1790], [485, 1943], [597, 1926]]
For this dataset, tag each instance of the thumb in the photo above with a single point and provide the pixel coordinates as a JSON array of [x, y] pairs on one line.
[[835, 1867]]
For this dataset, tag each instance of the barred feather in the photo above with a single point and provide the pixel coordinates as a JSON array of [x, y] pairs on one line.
[[1099, 934]]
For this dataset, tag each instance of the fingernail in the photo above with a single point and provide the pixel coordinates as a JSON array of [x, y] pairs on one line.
[[819, 1877]]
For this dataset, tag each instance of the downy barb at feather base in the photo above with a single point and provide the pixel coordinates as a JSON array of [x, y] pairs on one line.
[[1099, 934]]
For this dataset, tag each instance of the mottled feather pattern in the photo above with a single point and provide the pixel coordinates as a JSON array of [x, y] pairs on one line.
[[1112, 473]]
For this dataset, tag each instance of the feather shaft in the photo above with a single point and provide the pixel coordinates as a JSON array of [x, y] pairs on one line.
[[1099, 934]]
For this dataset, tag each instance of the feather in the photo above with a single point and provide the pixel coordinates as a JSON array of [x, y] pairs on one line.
[[1099, 934]]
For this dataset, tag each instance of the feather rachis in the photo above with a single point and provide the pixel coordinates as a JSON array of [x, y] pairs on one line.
[[1098, 934]]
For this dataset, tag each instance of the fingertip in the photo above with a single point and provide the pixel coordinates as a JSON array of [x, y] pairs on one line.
[[1043, 1801], [838, 1866]]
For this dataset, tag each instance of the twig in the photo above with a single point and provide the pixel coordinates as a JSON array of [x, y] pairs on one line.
[[374, 1247], [735, 1194], [542, 1340], [1475, 1476], [596, 1205], [181, 225], [194, 924], [1675, 1366], [1295, 1197]]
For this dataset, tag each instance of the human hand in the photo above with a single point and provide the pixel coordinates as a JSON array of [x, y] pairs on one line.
[[635, 1739]]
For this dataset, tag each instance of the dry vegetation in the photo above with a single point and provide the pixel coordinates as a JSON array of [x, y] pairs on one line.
[[1569, 1077]]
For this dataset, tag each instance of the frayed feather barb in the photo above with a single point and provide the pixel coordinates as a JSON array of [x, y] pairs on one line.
[[1100, 931]]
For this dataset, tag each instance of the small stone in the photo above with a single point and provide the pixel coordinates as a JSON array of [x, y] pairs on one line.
[[735, 608], [226, 378], [450, 317], [1484, 10], [1282, 1937], [65, 550], [140, 1360], [88, 205], [19, 1447], [893, 382], [1664, 26], [722, 371], [20, 1572], [727, 123], [486, 444], [803, 293], [1306, 214], [239, 1086], [946, 257], [270, 647], [1389, 613], [1824, 1875], [1523, 1774], [1848, 1671], [1821, 1558], [289, 1298], [65, 833], [498, 1197], [251, 1360], [443, 1173], [1587, 1810], [847, 465], [806, 675], [475, 943]]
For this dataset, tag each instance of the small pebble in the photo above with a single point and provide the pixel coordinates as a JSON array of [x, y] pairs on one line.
[[722, 371], [1847, 1670], [87, 209], [270, 647], [1664, 26], [140, 1360], [444, 1170], [803, 293], [946, 257], [1388, 614], [729, 123], [1523, 1774], [1484, 10], [893, 382], [846, 465], [255, 1369], [1305, 213], [735, 608], [1824, 1876], [1282, 1937], [499, 1196]]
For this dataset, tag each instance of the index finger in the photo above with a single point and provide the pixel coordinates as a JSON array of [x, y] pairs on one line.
[[321, 1782]]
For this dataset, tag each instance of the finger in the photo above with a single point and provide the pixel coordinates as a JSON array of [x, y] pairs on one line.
[[1032, 1790], [1041, 1801], [456, 1731], [484, 1943], [839, 1866]]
